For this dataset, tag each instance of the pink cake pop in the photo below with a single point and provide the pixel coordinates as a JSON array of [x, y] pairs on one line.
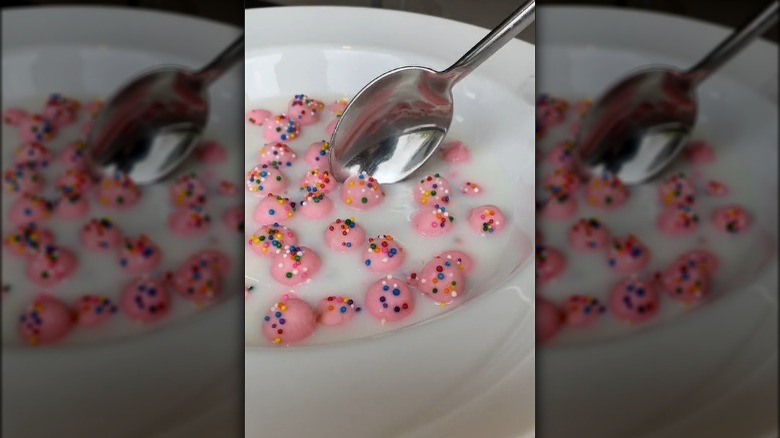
[[561, 181], [14, 116], [257, 116], [233, 218], [471, 188], [33, 153], [731, 219], [562, 155], [51, 266], [36, 128], [316, 206], [389, 300], [383, 255], [716, 188], [678, 221], [433, 221], [627, 254], [344, 235], [61, 110], [281, 128], [27, 240], [189, 220], [145, 300], [71, 206], [700, 258], [139, 255], [211, 152], [94, 310], [200, 283], [277, 155], [211, 257], [289, 321], [101, 235], [684, 282], [455, 152], [188, 190], [45, 321], [486, 220], [23, 178], [550, 263], [581, 310], [73, 181], [699, 152], [589, 235], [305, 110], [118, 192], [676, 190], [362, 192], [271, 240], [74, 155], [263, 179], [274, 209], [548, 320], [318, 181], [317, 155], [296, 265], [28, 208], [606, 191], [432, 189], [336, 310], [442, 280], [463, 261], [633, 300], [558, 206]]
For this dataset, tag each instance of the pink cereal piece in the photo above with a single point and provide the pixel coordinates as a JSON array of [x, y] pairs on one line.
[[187, 189], [27, 240], [582, 310], [29, 208], [627, 254], [304, 109], [227, 188], [460, 259], [486, 220], [549, 320], [606, 192], [681, 220], [23, 178], [344, 235], [442, 280], [93, 107], [138, 255], [233, 218], [562, 155], [277, 155], [684, 282], [94, 310], [196, 283], [51, 266], [71, 206], [317, 155], [561, 181], [589, 235], [316, 206], [455, 152], [558, 206], [145, 300], [633, 300], [100, 235], [362, 192], [281, 128], [318, 181], [73, 181], [211, 152], [289, 321], [118, 192], [331, 128], [264, 179], [699, 152], [389, 300], [550, 263], [471, 188], [274, 209], [33, 153], [211, 257], [383, 255], [550, 111], [271, 240], [338, 107], [433, 220], [14, 116], [45, 321], [74, 155], [189, 220], [336, 310], [257, 116], [61, 110], [296, 265], [700, 258], [676, 190], [432, 189], [731, 219], [717, 188], [36, 128]]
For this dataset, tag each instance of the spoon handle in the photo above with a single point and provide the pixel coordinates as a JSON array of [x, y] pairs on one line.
[[733, 44], [508, 29], [219, 65]]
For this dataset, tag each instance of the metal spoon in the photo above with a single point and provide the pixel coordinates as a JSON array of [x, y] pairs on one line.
[[153, 123], [638, 126], [396, 122]]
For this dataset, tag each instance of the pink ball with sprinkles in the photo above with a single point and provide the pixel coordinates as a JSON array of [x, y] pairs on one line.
[[716, 188], [318, 181], [700, 258], [273, 209], [36, 128], [211, 152], [588, 235], [73, 181], [289, 321], [681, 220], [212, 257], [389, 300], [317, 155], [93, 107], [685, 282], [699, 152], [550, 111], [433, 221], [189, 220], [582, 310], [442, 280], [304, 109], [227, 188], [627, 254], [118, 192], [196, 282], [562, 155], [264, 179], [45, 321], [71, 206], [51, 266], [676, 190], [606, 191], [549, 320], [336, 310], [145, 300], [187, 189], [30, 209], [296, 265], [558, 206], [139, 255], [27, 240], [277, 155], [362, 192], [561, 181], [94, 310], [633, 300], [383, 255], [460, 259], [487, 220], [100, 235], [14, 116], [338, 107], [33, 153], [316, 206], [61, 110], [550, 263], [233, 218], [471, 188], [281, 128], [432, 189], [257, 116], [345, 235], [731, 219], [271, 240], [23, 178], [74, 155], [455, 152]]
